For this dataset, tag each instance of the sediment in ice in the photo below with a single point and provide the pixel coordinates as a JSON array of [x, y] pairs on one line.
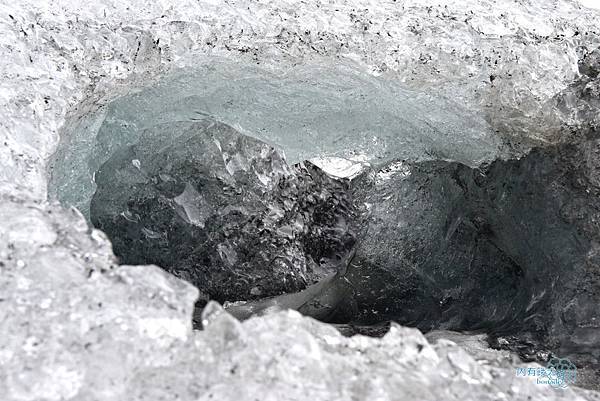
[[223, 211], [510, 248], [69, 312]]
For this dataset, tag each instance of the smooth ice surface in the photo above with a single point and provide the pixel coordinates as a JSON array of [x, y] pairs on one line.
[[315, 109], [590, 3]]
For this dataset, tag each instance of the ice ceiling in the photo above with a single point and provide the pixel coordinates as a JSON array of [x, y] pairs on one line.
[[440, 104], [311, 110]]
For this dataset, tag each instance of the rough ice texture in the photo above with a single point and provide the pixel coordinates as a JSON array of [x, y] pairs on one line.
[[509, 61], [223, 211], [75, 328], [511, 248]]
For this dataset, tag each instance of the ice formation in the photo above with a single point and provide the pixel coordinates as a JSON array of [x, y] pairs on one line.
[[309, 110], [510, 248], [223, 211], [478, 81]]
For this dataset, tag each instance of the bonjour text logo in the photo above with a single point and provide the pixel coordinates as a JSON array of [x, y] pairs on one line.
[[558, 373]]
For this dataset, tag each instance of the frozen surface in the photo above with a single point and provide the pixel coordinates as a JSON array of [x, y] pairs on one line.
[[68, 315], [511, 248], [56, 55], [76, 328], [315, 109], [223, 211]]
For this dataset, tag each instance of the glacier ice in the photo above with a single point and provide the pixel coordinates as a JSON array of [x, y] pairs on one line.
[[223, 211], [306, 111], [510, 248], [77, 326], [442, 245]]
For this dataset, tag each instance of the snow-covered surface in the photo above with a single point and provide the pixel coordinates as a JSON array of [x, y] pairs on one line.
[[74, 327]]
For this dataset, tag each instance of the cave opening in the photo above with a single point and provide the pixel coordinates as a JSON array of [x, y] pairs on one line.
[[225, 185]]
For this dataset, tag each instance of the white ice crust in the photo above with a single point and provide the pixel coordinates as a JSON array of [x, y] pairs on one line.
[[74, 326]]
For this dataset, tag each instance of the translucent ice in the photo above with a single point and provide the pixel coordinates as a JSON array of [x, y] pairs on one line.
[[223, 211], [311, 110], [75, 326]]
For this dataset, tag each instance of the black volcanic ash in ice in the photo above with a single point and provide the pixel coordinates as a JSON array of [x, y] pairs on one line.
[[510, 248], [223, 211]]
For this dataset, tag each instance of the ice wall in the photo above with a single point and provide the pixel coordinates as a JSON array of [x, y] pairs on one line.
[[68, 315], [316, 109]]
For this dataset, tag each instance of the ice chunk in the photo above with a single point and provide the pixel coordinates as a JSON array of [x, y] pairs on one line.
[[308, 111], [223, 211], [510, 249]]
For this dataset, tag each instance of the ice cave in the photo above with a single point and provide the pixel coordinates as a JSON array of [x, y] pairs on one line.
[[277, 200]]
